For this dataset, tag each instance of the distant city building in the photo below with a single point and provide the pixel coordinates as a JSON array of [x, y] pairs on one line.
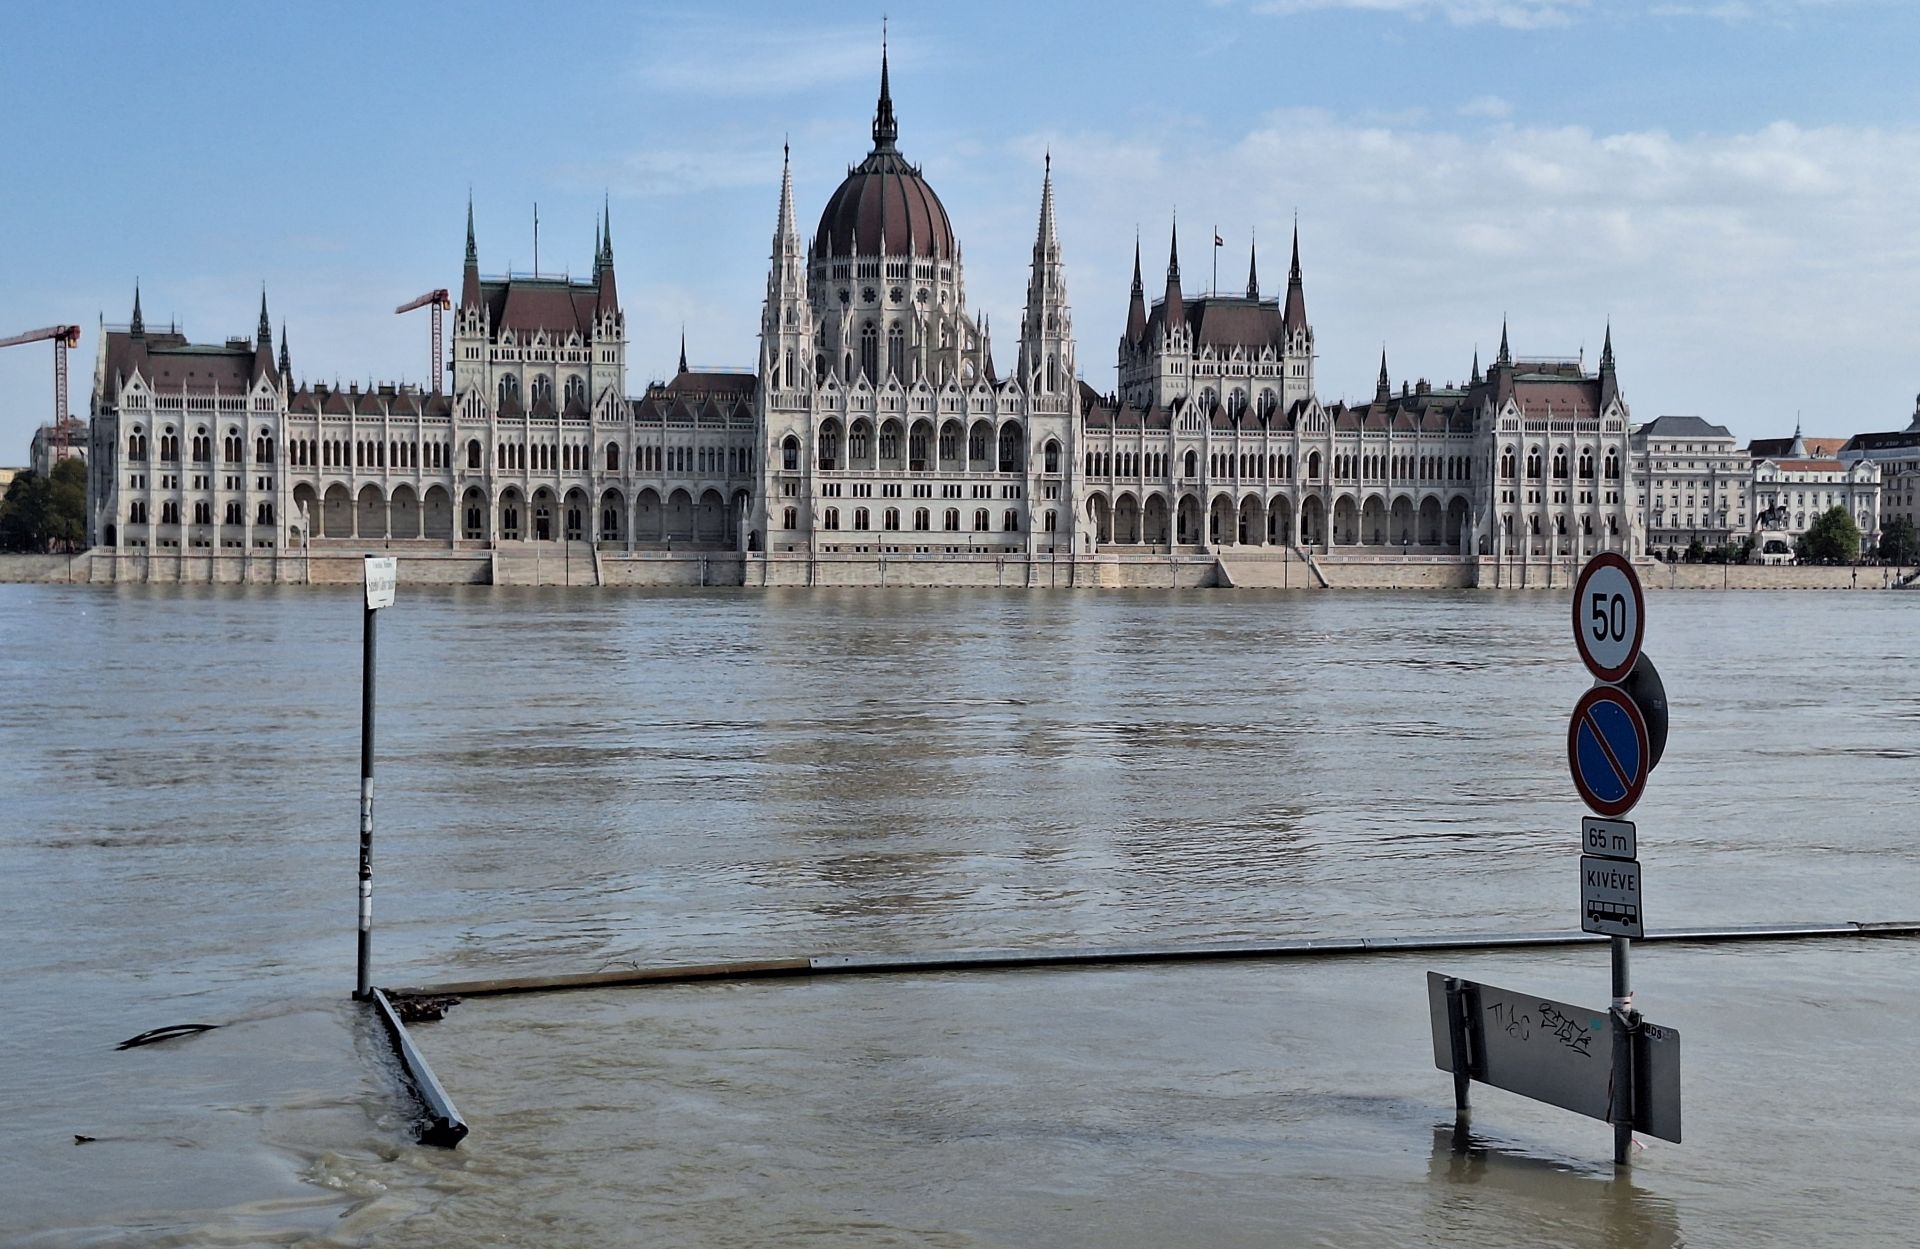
[[47, 449], [875, 422], [1898, 456], [1796, 479], [1692, 483]]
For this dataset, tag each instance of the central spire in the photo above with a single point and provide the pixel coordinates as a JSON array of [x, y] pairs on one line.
[[885, 129]]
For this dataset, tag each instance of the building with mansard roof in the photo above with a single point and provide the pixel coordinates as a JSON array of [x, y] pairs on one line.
[[875, 424]]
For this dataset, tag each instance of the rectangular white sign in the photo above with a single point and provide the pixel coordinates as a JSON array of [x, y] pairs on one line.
[[1610, 839], [383, 573], [1610, 897]]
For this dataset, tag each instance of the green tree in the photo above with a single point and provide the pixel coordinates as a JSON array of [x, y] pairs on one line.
[[1696, 551], [1832, 538], [1899, 544], [42, 512]]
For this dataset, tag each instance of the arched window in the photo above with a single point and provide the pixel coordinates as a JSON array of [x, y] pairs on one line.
[[1560, 463], [1268, 401], [790, 519], [1507, 463], [951, 521], [1613, 465], [509, 390], [829, 447], [1586, 462], [869, 359], [977, 445], [1013, 445], [1533, 462], [896, 351], [857, 444], [922, 519], [980, 520], [1208, 399], [137, 445], [202, 447], [576, 388], [790, 456], [1236, 402], [613, 457], [1053, 456], [1192, 465], [892, 518], [860, 518], [831, 520], [1053, 372], [1313, 466], [542, 388], [889, 441], [1011, 521]]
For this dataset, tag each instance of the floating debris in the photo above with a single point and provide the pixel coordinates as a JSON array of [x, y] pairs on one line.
[[166, 1034]]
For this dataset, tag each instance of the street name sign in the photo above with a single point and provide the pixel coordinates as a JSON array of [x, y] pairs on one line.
[[1610, 897], [1607, 751], [383, 573], [1609, 616], [1610, 839], [1557, 1053]]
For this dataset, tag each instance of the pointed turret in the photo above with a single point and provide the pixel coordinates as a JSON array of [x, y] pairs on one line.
[[1253, 269], [886, 130], [1173, 308], [683, 349], [470, 278], [1296, 310], [1798, 449], [139, 326], [786, 319], [1475, 380], [1505, 358], [1609, 380], [1137, 304], [1046, 343], [263, 337], [1383, 385], [607, 304], [286, 358]]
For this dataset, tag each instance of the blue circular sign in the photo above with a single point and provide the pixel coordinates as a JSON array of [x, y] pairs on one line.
[[1607, 751]]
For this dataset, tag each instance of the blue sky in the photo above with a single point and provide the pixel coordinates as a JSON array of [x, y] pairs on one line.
[[1732, 182]]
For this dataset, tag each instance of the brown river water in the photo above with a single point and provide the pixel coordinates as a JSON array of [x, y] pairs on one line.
[[573, 781]]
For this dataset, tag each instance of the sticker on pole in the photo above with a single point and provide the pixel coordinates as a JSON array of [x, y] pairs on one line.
[[1609, 616], [1607, 751], [383, 572]]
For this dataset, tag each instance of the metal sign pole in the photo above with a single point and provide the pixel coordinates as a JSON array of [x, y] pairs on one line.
[[363, 991], [1626, 1021]]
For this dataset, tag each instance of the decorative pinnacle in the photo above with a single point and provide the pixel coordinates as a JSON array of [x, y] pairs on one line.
[[886, 129]]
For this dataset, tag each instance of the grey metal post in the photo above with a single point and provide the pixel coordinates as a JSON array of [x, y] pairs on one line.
[[1626, 1020], [363, 991], [1462, 1068]]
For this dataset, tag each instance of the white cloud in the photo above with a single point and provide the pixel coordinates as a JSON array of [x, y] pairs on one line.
[[1488, 106], [732, 58], [1745, 274], [1514, 14]]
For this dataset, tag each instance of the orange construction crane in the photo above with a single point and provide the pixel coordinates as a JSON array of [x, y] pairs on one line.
[[63, 336], [439, 301]]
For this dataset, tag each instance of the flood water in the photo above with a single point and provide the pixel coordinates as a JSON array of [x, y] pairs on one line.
[[573, 780]]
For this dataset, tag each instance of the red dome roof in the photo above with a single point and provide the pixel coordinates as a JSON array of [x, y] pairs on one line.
[[884, 206], [884, 198]]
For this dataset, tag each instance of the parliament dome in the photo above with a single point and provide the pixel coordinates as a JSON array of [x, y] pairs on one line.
[[884, 206]]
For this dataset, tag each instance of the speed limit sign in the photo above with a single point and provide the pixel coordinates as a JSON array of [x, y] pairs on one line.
[[1609, 616]]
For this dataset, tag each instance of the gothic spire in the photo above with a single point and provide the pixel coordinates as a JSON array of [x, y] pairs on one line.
[[1173, 308], [1137, 305], [1476, 368], [1383, 387], [608, 302], [1253, 269], [885, 128], [139, 325], [1048, 241], [470, 276], [286, 357], [264, 336], [1505, 357], [1296, 311], [606, 227], [1609, 380], [683, 349], [1606, 351], [473, 253]]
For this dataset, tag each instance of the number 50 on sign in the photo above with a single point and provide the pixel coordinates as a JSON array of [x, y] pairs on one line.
[[1609, 616]]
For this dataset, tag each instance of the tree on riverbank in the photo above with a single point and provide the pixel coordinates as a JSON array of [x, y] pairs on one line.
[[46, 513], [1899, 544], [1832, 538]]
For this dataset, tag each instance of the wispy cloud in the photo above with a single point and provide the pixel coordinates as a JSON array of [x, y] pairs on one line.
[[1514, 14], [730, 58], [1491, 107]]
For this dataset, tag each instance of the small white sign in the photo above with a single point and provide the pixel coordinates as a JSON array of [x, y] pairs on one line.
[[383, 573], [1610, 897], [1609, 616], [1610, 839]]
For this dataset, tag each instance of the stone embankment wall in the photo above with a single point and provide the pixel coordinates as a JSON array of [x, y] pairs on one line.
[[580, 565]]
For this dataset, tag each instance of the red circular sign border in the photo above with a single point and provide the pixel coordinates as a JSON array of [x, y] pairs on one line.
[[1605, 559], [1608, 693]]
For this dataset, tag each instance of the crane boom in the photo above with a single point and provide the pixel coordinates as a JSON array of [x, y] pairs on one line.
[[439, 301], [71, 333]]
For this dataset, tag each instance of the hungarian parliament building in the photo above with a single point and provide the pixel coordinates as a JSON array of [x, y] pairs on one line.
[[876, 423]]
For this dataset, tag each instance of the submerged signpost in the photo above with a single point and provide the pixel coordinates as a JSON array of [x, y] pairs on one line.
[[1616, 1066], [382, 573]]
